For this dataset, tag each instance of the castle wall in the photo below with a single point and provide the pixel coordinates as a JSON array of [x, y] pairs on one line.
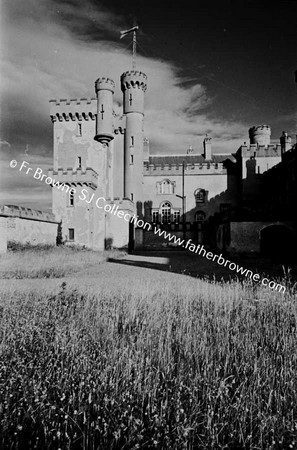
[[25, 225], [118, 166], [264, 158], [117, 228], [244, 237], [211, 181], [74, 131]]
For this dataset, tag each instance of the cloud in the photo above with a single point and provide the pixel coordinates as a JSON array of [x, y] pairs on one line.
[[57, 49], [5, 143]]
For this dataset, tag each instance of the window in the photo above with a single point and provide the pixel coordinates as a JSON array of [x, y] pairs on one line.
[[71, 198], [176, 216], [131, 159], [132, 196], [71, 234], [132, 141], [79, 129], [79, 162], [102, 112], [165, 187], [200, 218], [199, 195], [165, 212], [155, 216], [130, 99]]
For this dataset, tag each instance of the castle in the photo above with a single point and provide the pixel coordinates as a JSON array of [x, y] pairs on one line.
[[108, 157], [102, 164]]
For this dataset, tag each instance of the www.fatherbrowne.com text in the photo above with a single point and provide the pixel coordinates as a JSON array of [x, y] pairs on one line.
[[102, 203]]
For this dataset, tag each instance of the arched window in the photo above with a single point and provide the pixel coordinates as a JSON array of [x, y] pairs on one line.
[[165, 212], [200, 195], [165, 187]]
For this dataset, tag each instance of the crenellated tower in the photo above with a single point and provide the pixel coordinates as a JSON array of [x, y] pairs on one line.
[[133, 85], [260, 135], [104, 88]]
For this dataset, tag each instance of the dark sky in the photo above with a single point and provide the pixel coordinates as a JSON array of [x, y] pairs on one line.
[[216, 67], [244, 52]]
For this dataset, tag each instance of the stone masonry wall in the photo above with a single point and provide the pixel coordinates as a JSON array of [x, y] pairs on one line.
[[25, 225]]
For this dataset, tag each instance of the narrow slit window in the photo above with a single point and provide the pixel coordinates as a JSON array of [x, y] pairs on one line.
[[130, 99], [79, 162], [102, 112], [155, 216], [132, 196], [131, 159], [132, 141], [79, 129]]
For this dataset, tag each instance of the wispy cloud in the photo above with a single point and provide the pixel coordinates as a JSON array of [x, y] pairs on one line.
[[57, 50]]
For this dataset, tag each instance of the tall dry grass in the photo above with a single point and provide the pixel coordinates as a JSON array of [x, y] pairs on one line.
[[46, 261], [152, 367]]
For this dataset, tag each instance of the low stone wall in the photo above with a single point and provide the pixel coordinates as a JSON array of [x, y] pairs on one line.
[[26, 225]]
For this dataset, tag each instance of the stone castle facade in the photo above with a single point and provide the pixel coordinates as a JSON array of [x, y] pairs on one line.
[[101, 155]]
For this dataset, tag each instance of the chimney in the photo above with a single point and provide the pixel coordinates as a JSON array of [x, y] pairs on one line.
[[207, 148], [190, 150], [285, 142]]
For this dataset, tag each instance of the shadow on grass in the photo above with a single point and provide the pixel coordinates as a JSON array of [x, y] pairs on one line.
[[187, 263]]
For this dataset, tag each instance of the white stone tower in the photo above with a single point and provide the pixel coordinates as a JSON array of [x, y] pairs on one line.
[[133, 85], [260, 135], [104, 88]]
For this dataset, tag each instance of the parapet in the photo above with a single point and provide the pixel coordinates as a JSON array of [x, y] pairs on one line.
[[203, 168], [104, 83], [133, 79], [194, 164], [78, 177], [26, 213], [73, 109], [260, 151]]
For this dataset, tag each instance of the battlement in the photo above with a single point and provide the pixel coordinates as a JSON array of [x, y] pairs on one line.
[[76, 177], [203, 168], [26, 213], [133, 79], [104, 83], [73, 109], [265, 128], [260, 151], [122, 202]]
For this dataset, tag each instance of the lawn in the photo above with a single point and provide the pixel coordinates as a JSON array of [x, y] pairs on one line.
[[115, 356]]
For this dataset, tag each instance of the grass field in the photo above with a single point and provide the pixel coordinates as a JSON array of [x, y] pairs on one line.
[[100, 355]]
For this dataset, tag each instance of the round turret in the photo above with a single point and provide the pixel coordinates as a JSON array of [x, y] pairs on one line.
[[104, 83], [104, 88], [133, 85], [260, 135]]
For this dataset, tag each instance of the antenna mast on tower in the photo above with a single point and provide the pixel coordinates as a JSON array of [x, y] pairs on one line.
[[125, 33]]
